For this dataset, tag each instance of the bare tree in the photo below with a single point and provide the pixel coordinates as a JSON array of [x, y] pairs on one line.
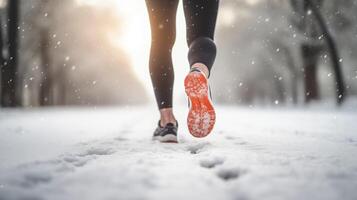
[[310, 54], [332, 48], [9, 67], [46, 85], [2, 57], [314, 27], [294, 73], [310, 48]]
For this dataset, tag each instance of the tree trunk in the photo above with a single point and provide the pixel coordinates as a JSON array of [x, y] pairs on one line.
[[62, 81], [280, 97], [9, 70], [334, 54], [293, 73], [310, 57], [2, 57], [294, 88], [46, 85]]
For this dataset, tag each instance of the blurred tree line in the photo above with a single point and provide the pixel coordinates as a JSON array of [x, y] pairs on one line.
[[59, 53], [286, 51], [270, 52]]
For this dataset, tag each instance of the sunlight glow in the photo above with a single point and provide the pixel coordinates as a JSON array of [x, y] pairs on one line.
[[2, 3], [135, 37], [135, 41], [252, 2], [227, 15]]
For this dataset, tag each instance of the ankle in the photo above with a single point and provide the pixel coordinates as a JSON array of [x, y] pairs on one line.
[[164, 122], [202, 67], [167, 116]]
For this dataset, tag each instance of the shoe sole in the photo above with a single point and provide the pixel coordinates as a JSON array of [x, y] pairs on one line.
[[166, 139], [201, 117]]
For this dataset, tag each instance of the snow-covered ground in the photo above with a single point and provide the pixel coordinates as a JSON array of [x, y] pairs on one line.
[[84, 153]]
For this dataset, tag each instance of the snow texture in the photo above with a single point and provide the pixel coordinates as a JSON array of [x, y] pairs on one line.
[[108, 154]]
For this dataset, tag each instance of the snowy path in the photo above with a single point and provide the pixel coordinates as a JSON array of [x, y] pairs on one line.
[[107, 154]]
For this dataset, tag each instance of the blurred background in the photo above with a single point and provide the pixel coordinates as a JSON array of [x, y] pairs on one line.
[[95, 53]]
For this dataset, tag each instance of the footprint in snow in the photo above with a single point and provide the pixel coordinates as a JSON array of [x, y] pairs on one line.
[[241, 143], [197, 147], [228, 137], [41, 172], [120, 139], [211, 162], [236, 140], [98, 151], [228, 174], [35, 178]]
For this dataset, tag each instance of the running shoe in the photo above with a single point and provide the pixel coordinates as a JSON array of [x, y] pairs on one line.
[[201, 117], [166, 134]]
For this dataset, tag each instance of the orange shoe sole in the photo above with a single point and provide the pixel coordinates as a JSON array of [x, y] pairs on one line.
[[201, 117]]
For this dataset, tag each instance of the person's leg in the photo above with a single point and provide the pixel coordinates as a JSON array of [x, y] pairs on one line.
[[201, 16], [162, 15]]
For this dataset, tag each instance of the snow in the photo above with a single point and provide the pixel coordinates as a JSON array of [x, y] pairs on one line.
[[106, 153]]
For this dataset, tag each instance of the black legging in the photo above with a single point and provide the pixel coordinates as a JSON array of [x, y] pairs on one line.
[[201, 18]]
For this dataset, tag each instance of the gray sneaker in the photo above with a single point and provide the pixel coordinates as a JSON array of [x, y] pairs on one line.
[[166, 134]]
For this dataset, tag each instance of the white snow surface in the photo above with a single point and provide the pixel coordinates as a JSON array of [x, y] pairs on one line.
[[107, 153]]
